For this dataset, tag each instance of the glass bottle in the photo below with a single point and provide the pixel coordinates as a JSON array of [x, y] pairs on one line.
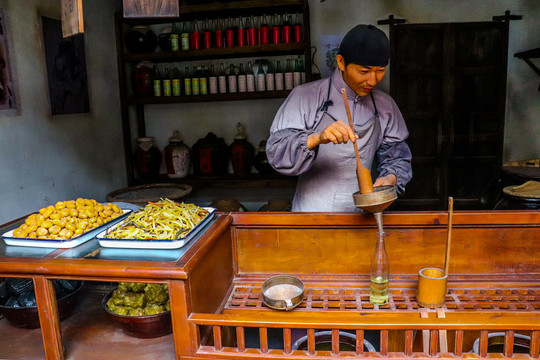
[[218, 33], [297, 29], [222, 79], [250, 78], [203, 81], [380, 272], [261, 79], [264, 32], [241, 33], [167, 83], [276, 30], [287, 29], [229, 33], [302, 72], [184, 37], [195, 85], [297, 78], [187, 82], [242, 82], [157, 82], [175, 46], [195, 36], [270, 84], [278, 77], [207, 35], [232, 80], [176, 82], [212, 81], [252, 33], [288, 75]]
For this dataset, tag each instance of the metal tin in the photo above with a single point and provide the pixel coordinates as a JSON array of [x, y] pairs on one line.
[[282, 292]]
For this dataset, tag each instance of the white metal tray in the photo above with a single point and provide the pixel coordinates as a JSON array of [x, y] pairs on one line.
[[62, 244], [153, 243]]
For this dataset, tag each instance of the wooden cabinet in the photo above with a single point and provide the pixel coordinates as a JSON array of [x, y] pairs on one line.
[[449, 81], [133, 106], [216, 301]]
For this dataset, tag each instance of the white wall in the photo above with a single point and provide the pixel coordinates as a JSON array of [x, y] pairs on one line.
[[44, 158]]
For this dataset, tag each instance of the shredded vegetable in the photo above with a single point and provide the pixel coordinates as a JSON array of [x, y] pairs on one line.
[[162, 220]]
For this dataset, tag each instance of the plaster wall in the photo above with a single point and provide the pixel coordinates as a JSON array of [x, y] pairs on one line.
[[44, 158]]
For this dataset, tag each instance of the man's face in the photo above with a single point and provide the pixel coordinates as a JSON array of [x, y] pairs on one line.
[[362, 79]]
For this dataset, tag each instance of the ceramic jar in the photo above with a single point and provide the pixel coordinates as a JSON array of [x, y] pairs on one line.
[[209, 156], [147, 158], [143, 79], [141, 39], [241, 153], [177, 157], [260, 161]]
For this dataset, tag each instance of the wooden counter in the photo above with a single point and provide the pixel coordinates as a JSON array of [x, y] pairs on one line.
[[214, 285]]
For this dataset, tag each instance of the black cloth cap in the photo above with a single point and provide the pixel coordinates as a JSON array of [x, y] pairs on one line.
[[365, 45]]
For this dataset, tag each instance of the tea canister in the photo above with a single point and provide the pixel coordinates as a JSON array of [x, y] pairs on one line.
[[210, 156], [147, 158], [241, 152], [177, 156]]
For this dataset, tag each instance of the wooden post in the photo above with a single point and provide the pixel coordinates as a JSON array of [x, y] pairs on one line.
[[72, 17]]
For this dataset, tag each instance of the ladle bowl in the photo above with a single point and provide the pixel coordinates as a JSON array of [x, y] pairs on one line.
[[377, 201]]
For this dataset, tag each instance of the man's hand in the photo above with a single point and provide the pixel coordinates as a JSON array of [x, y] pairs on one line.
[[389, 179], [337, 132]]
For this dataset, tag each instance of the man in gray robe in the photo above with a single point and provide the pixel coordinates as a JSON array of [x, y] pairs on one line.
[[310, 133]]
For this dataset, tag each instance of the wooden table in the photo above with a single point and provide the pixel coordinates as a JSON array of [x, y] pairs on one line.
[[214, 286]]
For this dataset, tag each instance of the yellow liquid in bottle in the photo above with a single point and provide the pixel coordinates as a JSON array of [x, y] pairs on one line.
[[378, 290]]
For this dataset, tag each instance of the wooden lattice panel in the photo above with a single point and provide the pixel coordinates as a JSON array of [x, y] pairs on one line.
[[248, 296]]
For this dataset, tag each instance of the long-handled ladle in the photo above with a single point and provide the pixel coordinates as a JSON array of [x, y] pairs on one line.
[[373, 200], [365, 183], [449, 234]]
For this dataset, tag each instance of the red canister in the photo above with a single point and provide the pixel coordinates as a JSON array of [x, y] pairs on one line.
[[297, 33], [241, 37], [207, 39], [219, 38], [264, 35], [229, 37], [252, 36], [276, 32]]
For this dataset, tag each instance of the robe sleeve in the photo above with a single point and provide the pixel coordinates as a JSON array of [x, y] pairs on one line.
[[295, 120], [394, 155]]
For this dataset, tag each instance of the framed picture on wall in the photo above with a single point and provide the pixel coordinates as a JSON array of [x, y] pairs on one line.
[[66, 69], [9, 102]]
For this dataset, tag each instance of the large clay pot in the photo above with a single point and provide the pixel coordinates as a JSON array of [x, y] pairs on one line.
[[147, 158], [241, 153], [260, 161], [210, 156], [177, 157], [141, 39]]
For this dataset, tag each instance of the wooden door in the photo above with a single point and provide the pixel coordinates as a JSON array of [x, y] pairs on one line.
[[449, 81]]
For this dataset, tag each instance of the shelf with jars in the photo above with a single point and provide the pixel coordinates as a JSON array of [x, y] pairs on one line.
[[216, 51]]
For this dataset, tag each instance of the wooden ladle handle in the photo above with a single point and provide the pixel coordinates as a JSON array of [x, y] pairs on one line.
[[365, 183]]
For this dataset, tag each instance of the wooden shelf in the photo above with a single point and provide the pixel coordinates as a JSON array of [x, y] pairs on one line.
[[229, 8], [219, 53], [207, 98], [228, 181]]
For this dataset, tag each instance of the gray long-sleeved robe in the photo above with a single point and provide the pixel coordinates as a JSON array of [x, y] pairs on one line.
[[327, 173]]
